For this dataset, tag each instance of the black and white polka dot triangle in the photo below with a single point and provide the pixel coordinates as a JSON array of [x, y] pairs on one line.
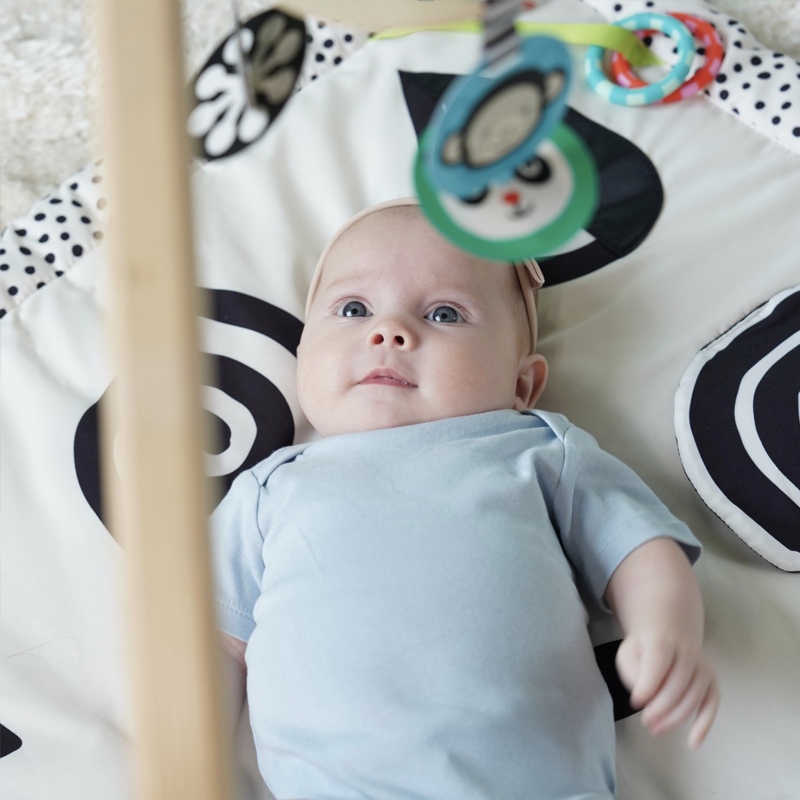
[[58, 230], [327, 45]]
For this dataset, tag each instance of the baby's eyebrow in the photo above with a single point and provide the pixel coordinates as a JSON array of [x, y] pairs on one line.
[[348, 280]]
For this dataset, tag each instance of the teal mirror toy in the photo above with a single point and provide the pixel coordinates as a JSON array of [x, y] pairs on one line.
[[491, 121], [497, 171]]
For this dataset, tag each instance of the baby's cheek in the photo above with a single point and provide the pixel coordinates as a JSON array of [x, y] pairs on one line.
[[464, 389], [317, 390], [308, 388]]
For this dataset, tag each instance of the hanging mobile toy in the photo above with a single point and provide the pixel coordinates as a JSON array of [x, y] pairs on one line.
[[497, 171]]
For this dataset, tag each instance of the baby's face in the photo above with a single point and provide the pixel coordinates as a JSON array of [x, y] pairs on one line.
[[405, 328]]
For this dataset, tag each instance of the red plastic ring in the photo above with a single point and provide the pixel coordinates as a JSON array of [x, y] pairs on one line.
[[715, 52]]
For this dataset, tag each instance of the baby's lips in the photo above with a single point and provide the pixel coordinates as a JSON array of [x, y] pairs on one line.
[[387, 376]]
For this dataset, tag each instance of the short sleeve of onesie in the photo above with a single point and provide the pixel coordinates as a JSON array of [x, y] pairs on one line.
[[604, 510], [236, 544]]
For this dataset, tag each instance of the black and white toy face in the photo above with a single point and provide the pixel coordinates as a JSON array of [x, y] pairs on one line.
[[536, 196]]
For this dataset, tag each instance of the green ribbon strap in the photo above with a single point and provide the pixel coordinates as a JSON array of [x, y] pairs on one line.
[[611, 37]]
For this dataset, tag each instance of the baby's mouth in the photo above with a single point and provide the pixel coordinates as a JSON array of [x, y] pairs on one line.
[[387, 377]]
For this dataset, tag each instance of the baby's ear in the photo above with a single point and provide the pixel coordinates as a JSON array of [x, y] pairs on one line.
[[531, 380]]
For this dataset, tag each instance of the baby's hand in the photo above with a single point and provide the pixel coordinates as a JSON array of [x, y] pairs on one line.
[[671, 679]]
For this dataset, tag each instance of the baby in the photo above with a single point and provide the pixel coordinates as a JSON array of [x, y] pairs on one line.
[[407, 586]]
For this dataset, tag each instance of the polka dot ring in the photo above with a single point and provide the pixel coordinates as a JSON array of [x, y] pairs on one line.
[[653, 92], [714, 53]]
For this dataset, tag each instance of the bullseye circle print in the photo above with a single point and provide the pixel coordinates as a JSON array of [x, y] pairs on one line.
[[737, 421], [251, 405]]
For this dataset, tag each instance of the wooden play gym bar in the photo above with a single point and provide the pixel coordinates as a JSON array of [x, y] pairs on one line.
[[160, 509]]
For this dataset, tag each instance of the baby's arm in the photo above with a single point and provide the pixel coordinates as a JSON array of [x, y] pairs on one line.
[[234, 673], [657, 602]]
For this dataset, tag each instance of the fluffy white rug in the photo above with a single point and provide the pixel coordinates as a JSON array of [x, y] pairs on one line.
[[48, 87]]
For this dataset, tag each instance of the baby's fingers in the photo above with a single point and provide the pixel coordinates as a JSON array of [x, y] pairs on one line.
[[655, 662], [673, 693], [675, 709], [705, 715]]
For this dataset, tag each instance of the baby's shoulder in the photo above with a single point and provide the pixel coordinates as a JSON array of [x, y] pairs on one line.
[[555, 423], [285, 455]]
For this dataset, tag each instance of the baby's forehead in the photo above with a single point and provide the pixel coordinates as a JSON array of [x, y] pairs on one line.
[[387, 241], [406, 229], [407, 220]]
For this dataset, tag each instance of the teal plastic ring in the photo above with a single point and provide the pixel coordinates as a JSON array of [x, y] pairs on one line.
[[654, 92]]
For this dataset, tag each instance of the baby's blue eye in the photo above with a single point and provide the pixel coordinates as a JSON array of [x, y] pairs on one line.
[[445, 314], [353, 309]]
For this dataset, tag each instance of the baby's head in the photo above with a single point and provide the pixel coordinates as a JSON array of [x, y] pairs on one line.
[[403, 327]]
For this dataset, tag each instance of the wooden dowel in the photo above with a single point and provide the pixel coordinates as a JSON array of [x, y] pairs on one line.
[[159, 510], [379, 14]]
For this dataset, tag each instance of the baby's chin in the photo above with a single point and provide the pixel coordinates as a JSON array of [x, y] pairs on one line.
[[378, 419]]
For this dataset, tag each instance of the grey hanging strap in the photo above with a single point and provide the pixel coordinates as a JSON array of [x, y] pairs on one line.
[[245, 67], [499, 36]]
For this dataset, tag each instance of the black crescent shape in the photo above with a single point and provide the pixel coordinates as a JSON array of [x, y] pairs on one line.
[[221, 433], [87, 458], [713, 426], [246, 311], [576, 263], [605, 655], [777, 417], [273, 417], [631, 194], [9, 741]]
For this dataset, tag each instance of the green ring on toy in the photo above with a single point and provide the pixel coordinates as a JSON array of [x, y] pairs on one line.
[[576, 215], [654, 92]]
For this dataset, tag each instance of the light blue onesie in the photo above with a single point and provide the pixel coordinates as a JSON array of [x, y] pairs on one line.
[[414, 628]]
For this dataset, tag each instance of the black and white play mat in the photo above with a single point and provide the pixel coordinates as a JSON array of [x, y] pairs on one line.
[[686, 280]]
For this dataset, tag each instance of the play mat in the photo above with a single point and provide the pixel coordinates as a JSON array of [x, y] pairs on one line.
[[671, 322]]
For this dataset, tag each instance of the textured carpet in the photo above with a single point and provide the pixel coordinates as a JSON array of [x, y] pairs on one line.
[[48, 86]]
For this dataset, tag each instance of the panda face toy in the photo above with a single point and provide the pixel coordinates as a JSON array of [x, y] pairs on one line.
[[531, 213], [536, 195], [504, 119]]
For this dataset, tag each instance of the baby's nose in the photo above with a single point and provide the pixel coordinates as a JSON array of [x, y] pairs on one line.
[[391, 331], [379, 337]]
